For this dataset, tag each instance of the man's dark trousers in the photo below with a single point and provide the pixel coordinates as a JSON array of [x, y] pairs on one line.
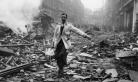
[[61, 56]]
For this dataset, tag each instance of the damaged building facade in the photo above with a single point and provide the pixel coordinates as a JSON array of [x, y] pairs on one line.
[[123, 14], [128, 13], [74, 9]]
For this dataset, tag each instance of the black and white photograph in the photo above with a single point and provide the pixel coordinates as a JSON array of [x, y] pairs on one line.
[[68, 40]]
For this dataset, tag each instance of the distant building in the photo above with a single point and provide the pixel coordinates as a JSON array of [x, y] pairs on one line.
[[129, 14], [123, 14], [74, 9], [109, 15]]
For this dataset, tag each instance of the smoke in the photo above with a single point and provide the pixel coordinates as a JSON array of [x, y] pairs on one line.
[[18, 13]]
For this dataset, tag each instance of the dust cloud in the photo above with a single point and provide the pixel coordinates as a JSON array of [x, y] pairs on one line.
[[18, 13]]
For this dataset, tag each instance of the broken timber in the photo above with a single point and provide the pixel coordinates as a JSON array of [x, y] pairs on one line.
[[14, 69], [19, 67], [6, 52], [14, 45]]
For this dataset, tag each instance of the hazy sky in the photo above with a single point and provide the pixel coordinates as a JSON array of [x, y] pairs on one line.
[[93, 4]]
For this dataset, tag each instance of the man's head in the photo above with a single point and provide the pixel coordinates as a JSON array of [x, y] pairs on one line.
[[64, 17]]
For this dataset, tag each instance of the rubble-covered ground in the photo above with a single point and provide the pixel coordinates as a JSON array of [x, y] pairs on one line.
[[108, 57]]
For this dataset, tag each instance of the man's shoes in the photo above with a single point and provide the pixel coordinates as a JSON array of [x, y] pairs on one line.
[[60, 73], [59, 76]]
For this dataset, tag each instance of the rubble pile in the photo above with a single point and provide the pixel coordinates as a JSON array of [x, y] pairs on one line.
[[96, 61], [19, 54], [25, 60], [106, 54]]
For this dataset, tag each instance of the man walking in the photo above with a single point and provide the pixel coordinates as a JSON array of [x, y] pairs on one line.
[[62, 41]]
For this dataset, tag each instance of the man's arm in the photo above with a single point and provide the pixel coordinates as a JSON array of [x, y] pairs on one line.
[[80, 32]]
